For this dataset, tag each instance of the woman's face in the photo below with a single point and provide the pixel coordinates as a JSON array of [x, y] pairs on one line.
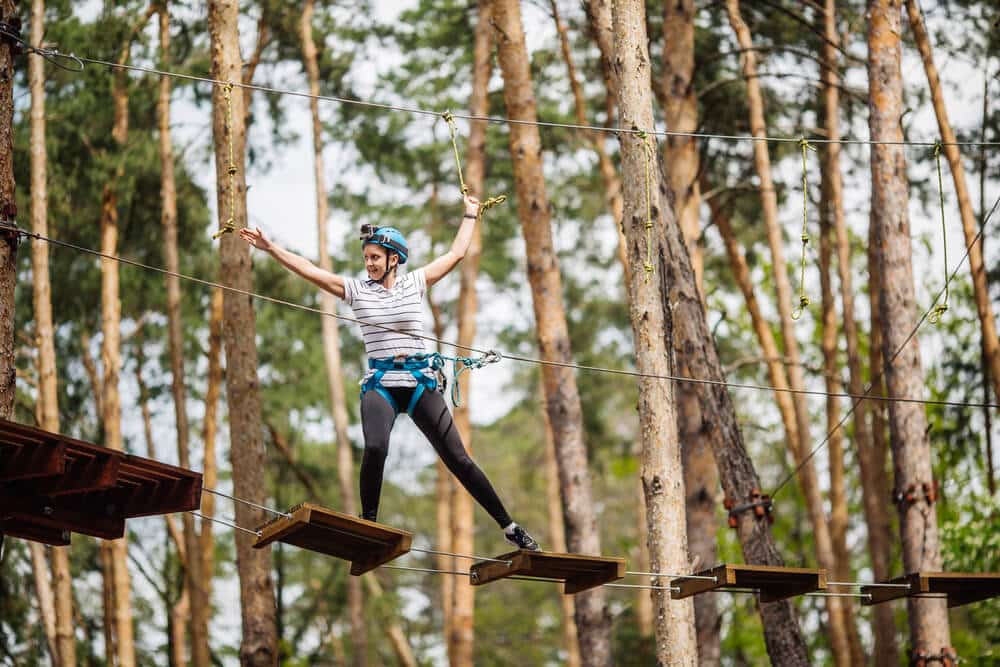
[[378, 261]]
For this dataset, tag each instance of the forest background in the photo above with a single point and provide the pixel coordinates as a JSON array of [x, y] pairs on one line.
[[397, 168]]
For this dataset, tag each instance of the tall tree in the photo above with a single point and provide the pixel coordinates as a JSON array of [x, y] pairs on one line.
[[980, 283], [695, 348], [807, 476], [562, 395], [8, 213], [652, 331], [871, 460], [121, 587], [199, 603], [701, 478], [258, 645], [461, 637], [62, 643], [331, 335], [897, 311]]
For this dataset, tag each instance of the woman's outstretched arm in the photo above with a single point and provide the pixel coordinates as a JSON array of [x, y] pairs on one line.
[[330, 282], [441, 266]]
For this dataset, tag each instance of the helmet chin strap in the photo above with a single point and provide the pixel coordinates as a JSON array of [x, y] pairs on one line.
[[385, 274]]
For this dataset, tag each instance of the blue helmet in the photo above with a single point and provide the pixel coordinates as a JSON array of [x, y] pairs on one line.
[[389, 238]]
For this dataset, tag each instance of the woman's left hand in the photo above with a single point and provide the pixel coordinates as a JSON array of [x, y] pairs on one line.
[[471, 205]]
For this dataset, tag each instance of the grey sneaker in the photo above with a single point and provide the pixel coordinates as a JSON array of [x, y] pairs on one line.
[[519, 537]]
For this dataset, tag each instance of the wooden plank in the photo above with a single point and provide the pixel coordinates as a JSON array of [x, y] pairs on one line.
[[27, 530], [60, 514], [82, 475], [960, 588], [773, 583], [579, 573], [44, 459], [366, 544]]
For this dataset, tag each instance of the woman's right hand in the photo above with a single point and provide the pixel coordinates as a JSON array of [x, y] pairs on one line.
[[256, 238]]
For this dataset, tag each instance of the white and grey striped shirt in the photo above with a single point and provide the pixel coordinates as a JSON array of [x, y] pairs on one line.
[[400, 308]]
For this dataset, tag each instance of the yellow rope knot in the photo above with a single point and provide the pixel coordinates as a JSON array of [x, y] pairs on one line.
[[940, 309], [803, 299]]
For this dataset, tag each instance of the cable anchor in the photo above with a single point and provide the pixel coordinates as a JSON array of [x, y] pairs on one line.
[[760, 503]]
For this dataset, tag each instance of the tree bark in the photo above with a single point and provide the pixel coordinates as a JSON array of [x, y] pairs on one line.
[[331, 338], [871, 467], [980, 282], [259, 641], [900, 355], [557, 535], [8, 214], [42, 578], [562, 396], [701, 478], [206, 539], [199, 606], [652, 330], [62, 642], [808, 481], [462, 624]]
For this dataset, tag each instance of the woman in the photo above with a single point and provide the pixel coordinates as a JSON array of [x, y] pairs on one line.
[[399, 376]]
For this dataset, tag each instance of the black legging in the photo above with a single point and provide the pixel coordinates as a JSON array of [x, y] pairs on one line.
[[432, 417]]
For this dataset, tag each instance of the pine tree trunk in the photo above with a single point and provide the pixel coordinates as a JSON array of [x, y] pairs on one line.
[[111, 351], [873, 499], [42, 579], [557, 535], [808, 481], [652, 330], [880, 537], [62, 642], [701, 478], [980, 283], [901, 357], [563, 398], [8, 214], [462, 629], [259, 641], [210, 473], [696, 348], [331, 339], [199, 606]]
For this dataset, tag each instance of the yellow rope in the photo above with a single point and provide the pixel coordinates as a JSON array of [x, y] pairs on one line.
[[490, 202], [229, 226], [650, 149], [803, 299], [942, 307]]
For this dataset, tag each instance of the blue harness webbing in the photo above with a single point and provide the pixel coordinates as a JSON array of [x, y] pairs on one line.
[[415, 365]]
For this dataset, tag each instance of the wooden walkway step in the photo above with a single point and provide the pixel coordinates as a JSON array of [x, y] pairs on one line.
[[578, 572], [52, 485], [772, 583], [959, 587], [366, 544]]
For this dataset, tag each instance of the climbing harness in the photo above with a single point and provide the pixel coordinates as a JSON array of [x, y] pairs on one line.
[[229, 226], [650, 150], [415, 365], [940, 309], [490, 202], [803, 299]]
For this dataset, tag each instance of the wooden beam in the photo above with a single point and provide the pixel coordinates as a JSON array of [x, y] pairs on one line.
[[44, 459], [772, 583], [579, 573]]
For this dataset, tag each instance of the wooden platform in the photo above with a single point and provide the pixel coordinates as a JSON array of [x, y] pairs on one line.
[[52, 485], [772, 583], [578, 572], [959, 587], [365, 543]]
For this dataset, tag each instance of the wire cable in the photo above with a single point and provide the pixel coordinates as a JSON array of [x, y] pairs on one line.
[[51, 54], [503, 355], [880, 372]]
